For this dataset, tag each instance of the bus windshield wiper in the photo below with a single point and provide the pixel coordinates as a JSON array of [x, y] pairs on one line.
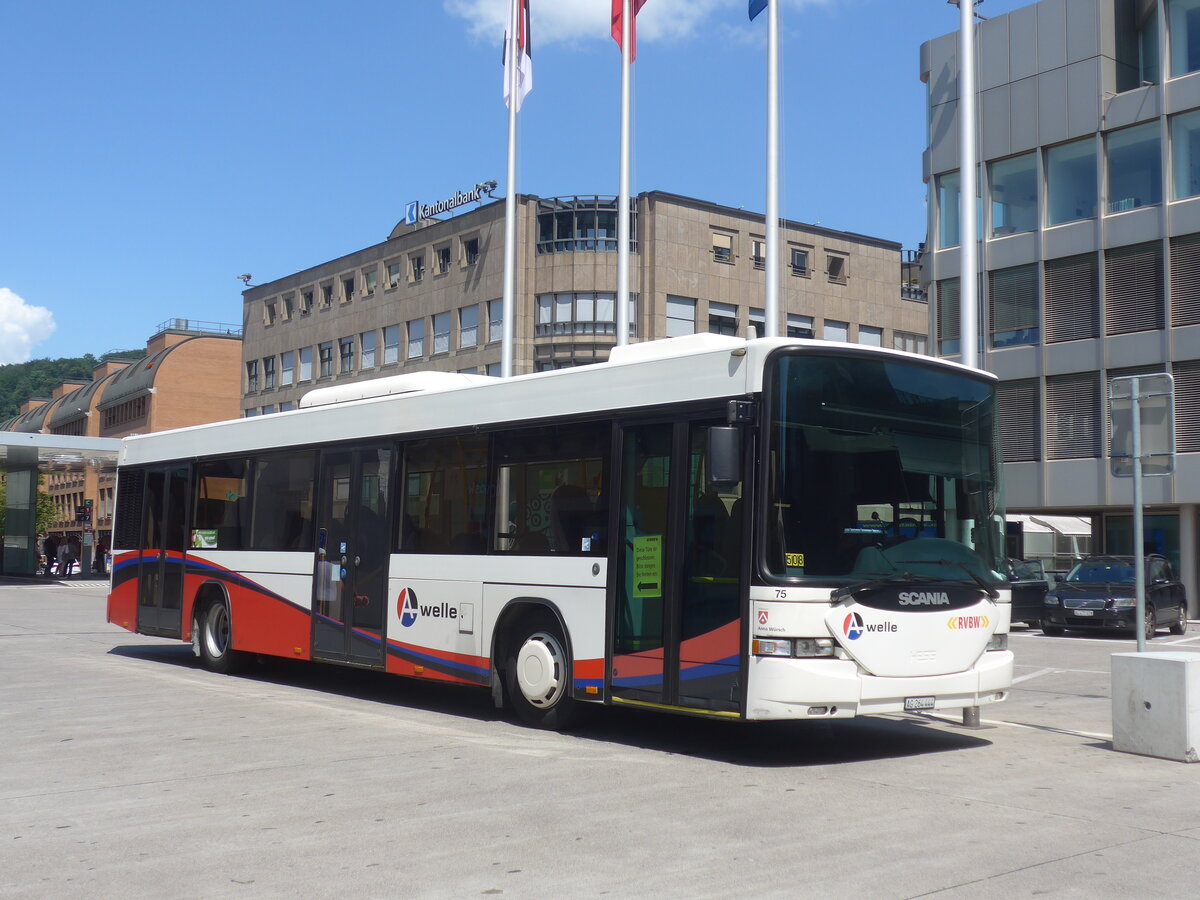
[[870, 584], [988, 589]]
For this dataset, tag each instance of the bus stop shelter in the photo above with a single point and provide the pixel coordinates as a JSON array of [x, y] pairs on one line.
[[22, 457]]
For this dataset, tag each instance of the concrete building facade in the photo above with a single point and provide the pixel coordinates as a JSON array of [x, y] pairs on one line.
[[1089, 237], [430, 296]]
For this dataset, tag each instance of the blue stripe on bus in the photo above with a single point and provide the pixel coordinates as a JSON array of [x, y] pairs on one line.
[[478, 672]]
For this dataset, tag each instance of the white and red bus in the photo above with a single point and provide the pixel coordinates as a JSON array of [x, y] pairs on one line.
[[763, 529]]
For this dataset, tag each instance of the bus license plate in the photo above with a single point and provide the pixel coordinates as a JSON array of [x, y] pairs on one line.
[[912, 703], [1081, 612]]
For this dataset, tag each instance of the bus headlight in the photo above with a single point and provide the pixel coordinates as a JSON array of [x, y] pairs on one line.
[[998, 642], [797, 647]]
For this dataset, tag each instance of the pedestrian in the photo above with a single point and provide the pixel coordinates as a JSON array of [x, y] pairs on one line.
[[50, 549]]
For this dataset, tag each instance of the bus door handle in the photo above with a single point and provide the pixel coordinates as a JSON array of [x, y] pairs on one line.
[[356, 561]]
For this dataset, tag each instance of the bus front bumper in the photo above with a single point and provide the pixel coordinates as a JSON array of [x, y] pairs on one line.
[[839, 689]]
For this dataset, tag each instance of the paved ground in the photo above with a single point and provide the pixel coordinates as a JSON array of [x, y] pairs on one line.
[[128, 771]]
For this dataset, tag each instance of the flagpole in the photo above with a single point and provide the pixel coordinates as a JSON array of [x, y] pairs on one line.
[[623, 191], [968, 327], [510, 201], [771, 300]]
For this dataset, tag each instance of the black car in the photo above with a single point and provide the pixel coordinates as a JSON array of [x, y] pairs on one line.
[[1027, 580], [1099, 594]]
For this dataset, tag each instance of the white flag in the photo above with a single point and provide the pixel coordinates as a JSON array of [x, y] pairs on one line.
[[524, 52]]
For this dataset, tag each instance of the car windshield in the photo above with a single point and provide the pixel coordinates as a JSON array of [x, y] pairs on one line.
[[1102, 571], [1023, 570], [879, 466]]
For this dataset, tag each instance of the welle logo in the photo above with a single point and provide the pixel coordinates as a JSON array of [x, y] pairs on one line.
[[410, 609]]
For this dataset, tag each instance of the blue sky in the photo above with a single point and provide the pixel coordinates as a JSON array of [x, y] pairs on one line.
[[153, 150]]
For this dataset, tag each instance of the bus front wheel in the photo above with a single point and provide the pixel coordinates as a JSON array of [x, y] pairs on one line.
[[538, 675], [212, 630]]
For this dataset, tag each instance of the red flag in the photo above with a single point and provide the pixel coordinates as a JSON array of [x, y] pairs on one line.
[[618, 7]]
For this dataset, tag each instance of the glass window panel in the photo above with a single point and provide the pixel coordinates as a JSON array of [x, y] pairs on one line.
[[562, 307], [416, 338], [1185, 154], [870, 335], [799, 326], [391, 344], [1134, 168], [468, 326], [495, 319], [1071, 182], [585, 307], [1183, 25], [606, 310], [368, 340], [1014, 195], [287, 368], [949, 188], [836, 331], [681, 316], [306, 363], [441, 333], [283, 509]]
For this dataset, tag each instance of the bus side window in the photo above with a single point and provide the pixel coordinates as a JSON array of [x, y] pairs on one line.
[[445, 496]]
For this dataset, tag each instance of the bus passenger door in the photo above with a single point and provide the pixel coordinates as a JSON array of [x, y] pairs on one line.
[[165, 529], [677, 632], [353, 541]]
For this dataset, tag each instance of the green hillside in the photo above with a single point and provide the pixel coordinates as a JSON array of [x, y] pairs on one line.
[[36, 378]]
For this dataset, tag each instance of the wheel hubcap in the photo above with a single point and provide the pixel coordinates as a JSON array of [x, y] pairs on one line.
[[541, 666], [218, 631]]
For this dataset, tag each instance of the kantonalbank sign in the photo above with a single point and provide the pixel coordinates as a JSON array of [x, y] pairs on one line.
[[416, 211]]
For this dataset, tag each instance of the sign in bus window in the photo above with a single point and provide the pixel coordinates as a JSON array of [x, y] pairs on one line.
[[647, 566]]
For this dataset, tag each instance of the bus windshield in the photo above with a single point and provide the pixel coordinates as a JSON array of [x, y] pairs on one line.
[[881, 467]]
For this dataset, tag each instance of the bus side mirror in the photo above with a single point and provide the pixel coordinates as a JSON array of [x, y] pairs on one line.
[[724, 455]]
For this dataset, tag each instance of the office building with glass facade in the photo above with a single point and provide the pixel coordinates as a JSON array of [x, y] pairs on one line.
[[1089, 236]]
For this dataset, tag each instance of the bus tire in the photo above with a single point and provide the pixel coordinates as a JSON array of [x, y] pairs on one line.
[[215, 638], [538, 674]]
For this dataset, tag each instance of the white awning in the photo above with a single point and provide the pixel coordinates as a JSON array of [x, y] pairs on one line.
[[1076, 526]]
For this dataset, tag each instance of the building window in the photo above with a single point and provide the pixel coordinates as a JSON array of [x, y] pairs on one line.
[[1014, 195], [800, 262], [468, 327], [836, 331], [269, 373], [326, 296], [289, 306], [757, 323], [306, 302], [305, 364], [471, 251], [370, 277], [578, 313], [1134, 168], [394, 273], [1187, 406], [416, 339], [758, 253], [948, 294], [391, 344], [1014, 307], [567, 225], [441, 332], [346, 355], [799, 326], [1073, 416], [493, 369], [910, 341], [348, 289], [1018, 404], [870, 336], [1134, 289], [722, 247], [252, 376], [837, 266], [1185, 152], [326, 353], [1136, 46], [949, 190], [1072, 298], [681, 316], [1183, 26], [442, 257], [367, 341], [722, 318], [1185, 280], [417, 264], [269, 312], [287, 406], [1071, 182], [495, 320]]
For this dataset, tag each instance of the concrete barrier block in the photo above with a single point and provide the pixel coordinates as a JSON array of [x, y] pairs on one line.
[[1156, 704]]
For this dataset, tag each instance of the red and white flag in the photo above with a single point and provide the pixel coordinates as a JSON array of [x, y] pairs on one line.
[[618, 7], [519, 8]]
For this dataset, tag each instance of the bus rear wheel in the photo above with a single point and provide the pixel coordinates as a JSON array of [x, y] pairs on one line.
[[212, 630], [538, 675]]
